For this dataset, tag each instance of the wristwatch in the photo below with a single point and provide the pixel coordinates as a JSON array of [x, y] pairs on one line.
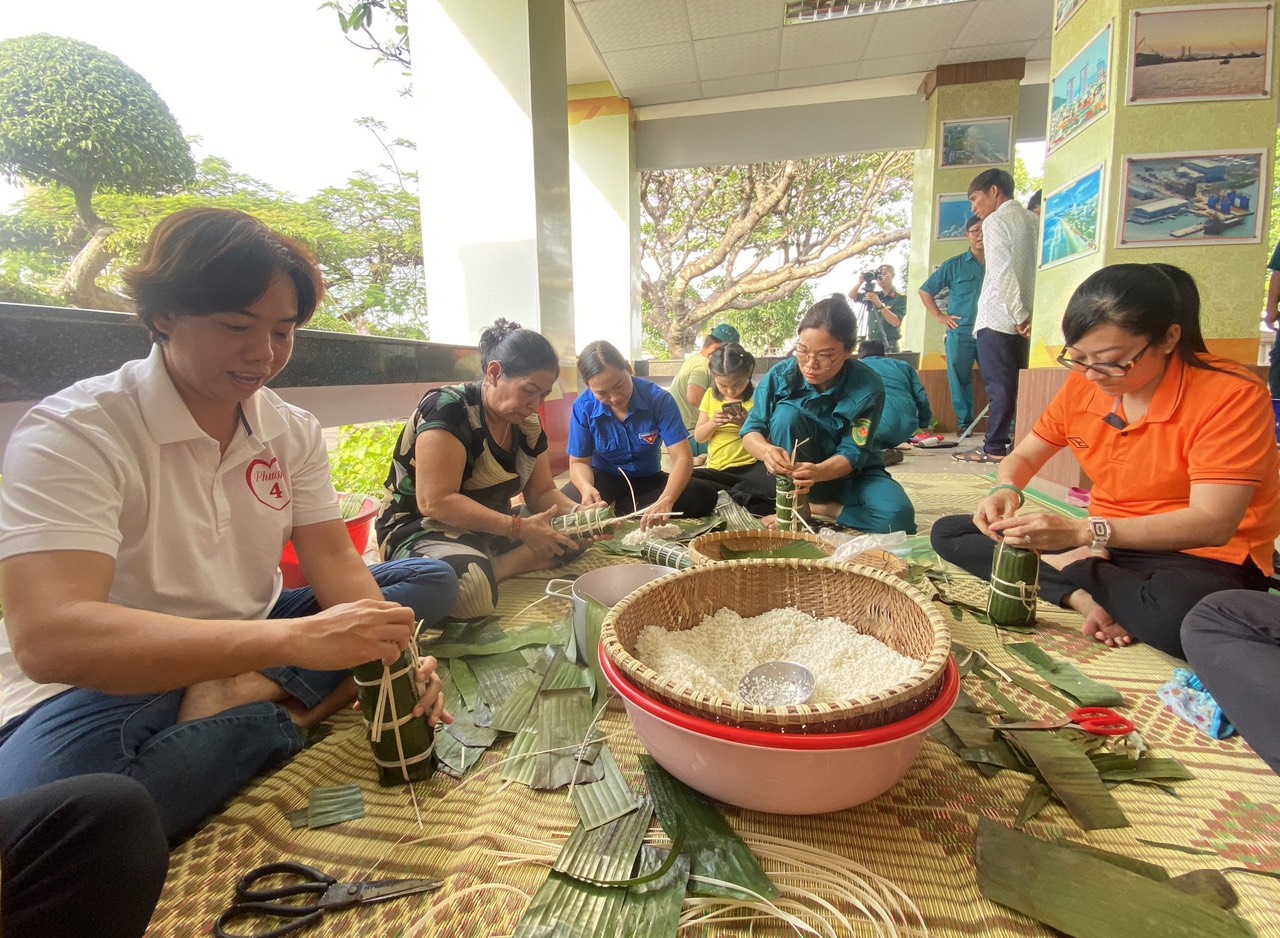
[[1100, 530]]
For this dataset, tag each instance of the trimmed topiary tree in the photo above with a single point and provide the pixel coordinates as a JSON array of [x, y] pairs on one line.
[[76, 116]]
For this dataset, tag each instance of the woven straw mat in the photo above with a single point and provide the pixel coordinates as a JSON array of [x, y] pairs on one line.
[[920, 834]]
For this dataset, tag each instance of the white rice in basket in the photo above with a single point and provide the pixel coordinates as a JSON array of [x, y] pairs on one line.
[[659, 531], [714, 655]]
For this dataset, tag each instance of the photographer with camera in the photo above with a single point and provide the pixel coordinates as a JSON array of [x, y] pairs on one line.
[[884, 305]]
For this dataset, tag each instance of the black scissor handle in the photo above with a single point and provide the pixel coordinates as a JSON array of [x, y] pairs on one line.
[[296, 917], [314, 881]]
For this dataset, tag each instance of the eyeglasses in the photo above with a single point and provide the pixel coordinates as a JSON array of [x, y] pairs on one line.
[[822, 358], [1106, 369]]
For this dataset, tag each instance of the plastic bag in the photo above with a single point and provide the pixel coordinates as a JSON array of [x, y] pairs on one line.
[[1187, 698], [849, 546]]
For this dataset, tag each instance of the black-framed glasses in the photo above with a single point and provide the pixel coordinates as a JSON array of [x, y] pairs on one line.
[[1106, 369], [825, 358]]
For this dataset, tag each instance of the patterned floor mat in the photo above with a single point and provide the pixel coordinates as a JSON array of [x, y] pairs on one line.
[[920, 834]]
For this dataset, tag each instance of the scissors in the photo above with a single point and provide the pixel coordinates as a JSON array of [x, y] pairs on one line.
[[1099, 721], [328, 894]]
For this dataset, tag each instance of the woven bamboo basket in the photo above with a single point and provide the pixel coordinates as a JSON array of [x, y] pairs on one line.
[[875, 602], [709, 548]]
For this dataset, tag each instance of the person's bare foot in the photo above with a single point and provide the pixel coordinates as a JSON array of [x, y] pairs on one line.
[[212, 697], [1098, 623]]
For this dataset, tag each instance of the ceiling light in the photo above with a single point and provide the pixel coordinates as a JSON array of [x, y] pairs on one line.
[[812, 11]]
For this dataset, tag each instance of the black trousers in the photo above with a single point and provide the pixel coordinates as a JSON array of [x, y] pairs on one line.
[[82, 856], [696, 501], [1000, 357], [1148, 593], [750, 486], [1233, 643]]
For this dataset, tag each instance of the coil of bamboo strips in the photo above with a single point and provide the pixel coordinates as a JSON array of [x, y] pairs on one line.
[[874, 602]]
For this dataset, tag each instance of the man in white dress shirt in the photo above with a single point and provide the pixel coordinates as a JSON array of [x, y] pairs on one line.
[[1003, 323]]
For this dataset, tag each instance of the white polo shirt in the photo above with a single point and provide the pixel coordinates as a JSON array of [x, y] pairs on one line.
[[1009, 237], [116, 465]]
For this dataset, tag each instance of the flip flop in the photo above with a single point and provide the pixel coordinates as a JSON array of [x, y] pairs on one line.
[[976, 455]]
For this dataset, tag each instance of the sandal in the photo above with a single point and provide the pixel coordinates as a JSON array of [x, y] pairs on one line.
[[976, 455]]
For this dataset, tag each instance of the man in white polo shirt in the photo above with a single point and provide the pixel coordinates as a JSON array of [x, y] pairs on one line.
[[142, 517], [1002, 329]]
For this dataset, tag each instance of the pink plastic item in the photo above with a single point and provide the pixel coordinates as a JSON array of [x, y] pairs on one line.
[[782, 773], [1078, 497]]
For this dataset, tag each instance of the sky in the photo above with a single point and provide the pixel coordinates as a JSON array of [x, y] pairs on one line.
[[270, 85]]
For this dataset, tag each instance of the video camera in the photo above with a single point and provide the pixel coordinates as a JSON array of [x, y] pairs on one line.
[[870, 282]]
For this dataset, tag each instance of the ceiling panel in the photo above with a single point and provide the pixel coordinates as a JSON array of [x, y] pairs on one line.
[[996, 21], [722, 17], [826, 43], [1007, 50], [911, 31], [750, 84], [652, 66], [625, 24], [733, 56], [817, 75], [667, 94], [898, 65]]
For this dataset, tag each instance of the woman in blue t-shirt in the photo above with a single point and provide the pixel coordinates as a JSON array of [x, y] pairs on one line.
[[615, 443]]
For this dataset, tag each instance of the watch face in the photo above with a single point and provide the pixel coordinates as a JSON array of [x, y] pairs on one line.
[[1100, 528]]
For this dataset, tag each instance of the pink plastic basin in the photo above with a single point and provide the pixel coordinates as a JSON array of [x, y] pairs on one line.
[[782, 773], [358, 527]]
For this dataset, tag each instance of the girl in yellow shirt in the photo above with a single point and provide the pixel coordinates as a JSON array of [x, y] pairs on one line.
[[729, 466]]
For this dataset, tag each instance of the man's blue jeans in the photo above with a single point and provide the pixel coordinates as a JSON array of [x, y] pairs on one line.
[[192, 769]]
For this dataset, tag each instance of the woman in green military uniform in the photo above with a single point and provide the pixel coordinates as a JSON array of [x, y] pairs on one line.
[[826, 406]]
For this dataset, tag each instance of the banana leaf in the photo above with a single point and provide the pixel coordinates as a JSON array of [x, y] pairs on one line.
[[1067, 677], [499, 675], [545, 634], [563, 718], [453, 757], [795, 550], [971, 728], [1011, 709], [518, 765], [1115, 768], [713, 848], [652, 910], [1086, 896], [1193, 851], [595, 616], [565, 907], [1038, 795], [466, 731], [471, 631], [734, 516], [327, 806], [563, 673], [1209, 885], [605, 800], [468, 684], [1042, 692], [513, 715], [1072, 777]]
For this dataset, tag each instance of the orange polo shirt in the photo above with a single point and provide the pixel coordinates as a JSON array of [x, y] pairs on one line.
[[1203, 427]]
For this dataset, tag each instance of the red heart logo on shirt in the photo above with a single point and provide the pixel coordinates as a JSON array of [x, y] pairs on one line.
[[268, 484]]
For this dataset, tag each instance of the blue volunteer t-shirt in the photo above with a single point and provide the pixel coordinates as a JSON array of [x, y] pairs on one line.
[[634, 445]]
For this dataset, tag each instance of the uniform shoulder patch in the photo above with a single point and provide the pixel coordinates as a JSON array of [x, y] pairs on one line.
[[861, 431]]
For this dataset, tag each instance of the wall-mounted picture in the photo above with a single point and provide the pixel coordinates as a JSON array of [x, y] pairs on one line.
[[1071, 219], [1063, 10], [953, 211], [1080, 91], [1172, 199], [1201, 53], [976, 142]]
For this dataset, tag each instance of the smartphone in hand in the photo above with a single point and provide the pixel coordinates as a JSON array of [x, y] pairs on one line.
[[735, 411]]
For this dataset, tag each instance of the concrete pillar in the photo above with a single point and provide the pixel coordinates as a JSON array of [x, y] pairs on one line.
[[605, 201], [973, 91], [493, 148]]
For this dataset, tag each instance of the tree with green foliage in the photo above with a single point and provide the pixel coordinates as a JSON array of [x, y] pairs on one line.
[[74, 116], [386, 37], [728, 239]]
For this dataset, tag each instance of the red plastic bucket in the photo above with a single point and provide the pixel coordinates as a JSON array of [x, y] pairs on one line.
[[358, 527]]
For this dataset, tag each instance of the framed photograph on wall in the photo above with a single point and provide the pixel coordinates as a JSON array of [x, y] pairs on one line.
[[1080, 93], [1209, 52], [1072, 219], [1063, 10], [1174, 199], [986, 142], [953, 211]]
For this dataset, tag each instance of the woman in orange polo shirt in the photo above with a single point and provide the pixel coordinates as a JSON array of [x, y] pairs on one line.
[[1181, 448]]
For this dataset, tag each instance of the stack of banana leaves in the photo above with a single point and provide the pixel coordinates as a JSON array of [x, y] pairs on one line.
[[1086, 892], [1075, 768]]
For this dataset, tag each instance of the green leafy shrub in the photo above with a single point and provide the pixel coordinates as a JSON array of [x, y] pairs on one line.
[[362, 459]]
